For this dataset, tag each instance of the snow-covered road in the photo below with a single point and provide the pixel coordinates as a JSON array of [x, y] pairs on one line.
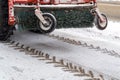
[[15, 65], [88, 58]]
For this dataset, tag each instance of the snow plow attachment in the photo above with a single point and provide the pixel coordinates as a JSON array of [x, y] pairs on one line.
[[46, 15], [66, 13]]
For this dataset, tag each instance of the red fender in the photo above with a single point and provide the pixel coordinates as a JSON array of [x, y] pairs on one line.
[[11, 20]]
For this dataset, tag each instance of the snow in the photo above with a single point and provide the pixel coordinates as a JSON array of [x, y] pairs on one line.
[[81, 56], [110, 36], [15, 65]]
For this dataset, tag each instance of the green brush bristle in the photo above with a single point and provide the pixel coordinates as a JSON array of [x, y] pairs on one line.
[[65, 18]]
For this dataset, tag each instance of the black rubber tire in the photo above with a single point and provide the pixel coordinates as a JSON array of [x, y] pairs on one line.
[[98, 22], [53, 23], [5, 29]]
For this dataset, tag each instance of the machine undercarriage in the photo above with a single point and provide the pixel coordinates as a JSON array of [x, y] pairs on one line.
[[47, 21]]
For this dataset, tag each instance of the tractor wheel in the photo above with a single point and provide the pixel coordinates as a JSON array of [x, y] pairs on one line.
[[99, 24], [51, 20], [5, 30]]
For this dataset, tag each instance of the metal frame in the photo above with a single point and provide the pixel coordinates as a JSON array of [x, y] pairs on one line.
[[38, 7], [60, 6]]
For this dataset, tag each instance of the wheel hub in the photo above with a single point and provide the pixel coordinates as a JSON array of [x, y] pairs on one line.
[[48, 25]]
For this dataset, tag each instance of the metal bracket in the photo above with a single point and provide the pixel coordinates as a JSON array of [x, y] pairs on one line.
[[38, 13], [99, 14]]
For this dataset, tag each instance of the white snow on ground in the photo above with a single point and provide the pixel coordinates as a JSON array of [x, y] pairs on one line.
[[15, 65], [104, 38], [89, 58]]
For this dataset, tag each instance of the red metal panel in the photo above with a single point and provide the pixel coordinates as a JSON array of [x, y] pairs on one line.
[[87, 1], [45, 1], [11, 20], [24, 1], [94, 1], [56, 1], [32, 1]]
